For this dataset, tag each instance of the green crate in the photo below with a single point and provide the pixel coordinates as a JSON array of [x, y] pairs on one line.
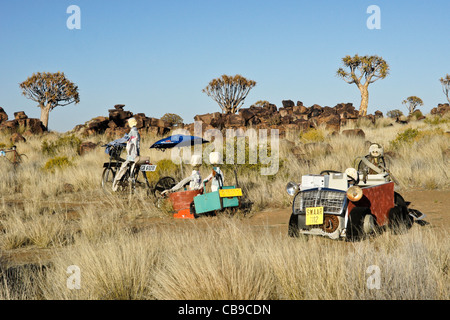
[[230, 202], [207, 202]]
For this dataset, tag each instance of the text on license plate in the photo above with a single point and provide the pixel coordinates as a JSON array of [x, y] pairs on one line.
[[148, 167], [314, 216]]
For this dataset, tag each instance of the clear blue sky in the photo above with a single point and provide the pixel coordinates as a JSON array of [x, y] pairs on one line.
[[157, 56]]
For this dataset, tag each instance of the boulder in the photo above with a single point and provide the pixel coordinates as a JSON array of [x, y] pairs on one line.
[[285, 111], [119, 115], [213, 119], [302, 124], [141, 120], [205, 118], [288, 103], [378, 114], [246, 114], [354, 133], [300, 109], [20, 115], [271, 108], [346, 111], [441, 109], [17, 137], [3, 115], [315, 111], [35, 126], [97, 125], [332, 121], [86, 147], [327, 110], [234, 120]]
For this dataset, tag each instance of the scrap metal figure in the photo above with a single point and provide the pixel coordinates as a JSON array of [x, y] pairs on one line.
[[374, 163], [194, 180], [133, 151], [216, 175]]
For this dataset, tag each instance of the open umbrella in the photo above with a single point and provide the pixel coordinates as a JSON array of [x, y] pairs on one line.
[[178, 140]]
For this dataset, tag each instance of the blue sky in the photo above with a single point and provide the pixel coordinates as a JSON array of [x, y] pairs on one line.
[[157, 56]]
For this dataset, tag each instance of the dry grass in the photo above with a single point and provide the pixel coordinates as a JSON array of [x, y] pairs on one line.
[[217, 258], [227, 260]]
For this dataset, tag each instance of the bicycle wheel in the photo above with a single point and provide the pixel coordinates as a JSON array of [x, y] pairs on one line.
[[163, 184], [107, 179]]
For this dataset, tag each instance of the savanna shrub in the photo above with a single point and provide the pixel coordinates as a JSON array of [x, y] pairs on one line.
[[53, 147], [57, 163], [312, 135], [408, 136]]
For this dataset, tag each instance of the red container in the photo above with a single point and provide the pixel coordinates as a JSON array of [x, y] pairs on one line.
[[182, 200]]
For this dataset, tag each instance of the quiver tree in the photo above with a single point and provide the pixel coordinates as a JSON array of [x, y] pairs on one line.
[[50, 90], [229, 91], [446, 85], [362, 72], [412, 103]]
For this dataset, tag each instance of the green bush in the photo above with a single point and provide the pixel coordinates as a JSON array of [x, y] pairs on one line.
[[57, 163], [405, 137], [312, 135], [436, 119], [52, 148], [394, 114]]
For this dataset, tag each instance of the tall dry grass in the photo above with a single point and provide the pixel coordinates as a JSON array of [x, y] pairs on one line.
[[227, 259], [121, 256]]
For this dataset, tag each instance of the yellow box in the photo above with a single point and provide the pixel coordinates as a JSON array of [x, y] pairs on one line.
[[314, 216]]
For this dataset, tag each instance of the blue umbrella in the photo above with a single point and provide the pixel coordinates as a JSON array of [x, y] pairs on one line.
[[178, 140]]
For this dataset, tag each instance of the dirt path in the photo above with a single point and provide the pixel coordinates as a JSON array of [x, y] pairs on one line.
[[435, 204]]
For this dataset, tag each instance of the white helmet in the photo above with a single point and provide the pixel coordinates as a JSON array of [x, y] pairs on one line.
[[352, 173], [375, 150], [214, 158], [196, 160]]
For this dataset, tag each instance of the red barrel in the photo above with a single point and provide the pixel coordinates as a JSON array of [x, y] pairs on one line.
[[182, 200]]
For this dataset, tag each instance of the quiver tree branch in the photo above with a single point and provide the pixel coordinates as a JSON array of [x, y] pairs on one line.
[[229, 91], [369, 68], [50, 90]]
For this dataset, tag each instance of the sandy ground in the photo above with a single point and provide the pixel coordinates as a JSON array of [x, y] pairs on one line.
[[435, 204]]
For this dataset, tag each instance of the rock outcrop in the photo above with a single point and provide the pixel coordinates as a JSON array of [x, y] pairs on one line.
[[289, 117], [115, 125], [20, 123]]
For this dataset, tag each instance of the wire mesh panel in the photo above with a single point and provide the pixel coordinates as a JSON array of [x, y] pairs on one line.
[[332, 201]]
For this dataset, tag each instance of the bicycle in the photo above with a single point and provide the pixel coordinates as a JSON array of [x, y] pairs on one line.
[[130, 180], [12, 155]]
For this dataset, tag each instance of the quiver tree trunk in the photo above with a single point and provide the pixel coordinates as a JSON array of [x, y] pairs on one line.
[[364, 101], [45, 112]]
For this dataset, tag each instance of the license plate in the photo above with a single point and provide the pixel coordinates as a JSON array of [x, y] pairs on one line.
[[148, 167], [314, 216], [229, 193]]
